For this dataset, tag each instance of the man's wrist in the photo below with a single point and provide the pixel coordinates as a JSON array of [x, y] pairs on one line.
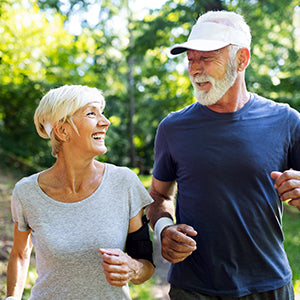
[[160, 224]]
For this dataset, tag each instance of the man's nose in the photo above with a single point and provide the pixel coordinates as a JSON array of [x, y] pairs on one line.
[[196, 67]]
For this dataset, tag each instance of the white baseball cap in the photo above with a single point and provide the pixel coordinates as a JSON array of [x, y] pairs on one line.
[[209, 36]]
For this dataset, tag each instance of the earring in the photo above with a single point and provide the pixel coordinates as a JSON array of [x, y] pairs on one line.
[[67, 138]]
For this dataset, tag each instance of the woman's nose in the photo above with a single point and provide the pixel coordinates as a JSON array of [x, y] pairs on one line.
[[103, 121]]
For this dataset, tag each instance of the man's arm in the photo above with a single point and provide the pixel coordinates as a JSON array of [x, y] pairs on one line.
[[163, 193], [176, 243]]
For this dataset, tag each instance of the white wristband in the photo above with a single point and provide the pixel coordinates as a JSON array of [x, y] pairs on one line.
[[160, 225], [11, 298]]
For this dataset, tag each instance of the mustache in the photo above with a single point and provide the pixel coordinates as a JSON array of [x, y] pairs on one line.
[[198, 78]]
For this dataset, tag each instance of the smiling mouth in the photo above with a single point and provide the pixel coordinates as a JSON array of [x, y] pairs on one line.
[[98, 136], [200, 84]]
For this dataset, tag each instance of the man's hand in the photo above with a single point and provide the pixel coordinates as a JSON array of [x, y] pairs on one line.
[[287, 185], [176, 243], [118, 267]]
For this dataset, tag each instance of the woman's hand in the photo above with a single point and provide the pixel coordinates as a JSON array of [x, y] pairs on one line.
[[119, 268]]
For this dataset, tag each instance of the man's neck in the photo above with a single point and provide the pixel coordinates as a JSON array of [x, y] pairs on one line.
[[234, 99]]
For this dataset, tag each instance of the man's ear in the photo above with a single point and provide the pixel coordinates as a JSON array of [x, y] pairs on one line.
[[243, 59], [61, 131]]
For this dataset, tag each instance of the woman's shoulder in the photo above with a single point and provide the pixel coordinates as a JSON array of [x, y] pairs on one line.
[[25, 185], [120, 171], [27, 181]]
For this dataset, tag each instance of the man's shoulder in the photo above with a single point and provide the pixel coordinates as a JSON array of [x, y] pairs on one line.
[[270, 105], [270, 102], [181, 114]]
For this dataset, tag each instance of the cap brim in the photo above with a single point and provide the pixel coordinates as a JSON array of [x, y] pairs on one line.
[[199, 45]]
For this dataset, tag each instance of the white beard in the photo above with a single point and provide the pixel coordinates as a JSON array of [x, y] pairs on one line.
[[219, 86]]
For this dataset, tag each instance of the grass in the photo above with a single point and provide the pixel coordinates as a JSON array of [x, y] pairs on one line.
[[142, 291], [291, 226]]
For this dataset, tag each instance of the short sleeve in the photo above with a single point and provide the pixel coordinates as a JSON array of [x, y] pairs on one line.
[[164, 167], [294, 153], [138, 195], [18, 212]]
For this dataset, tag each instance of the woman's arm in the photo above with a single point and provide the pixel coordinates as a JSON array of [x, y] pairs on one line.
[[18, 262], [144, 269], [120, 268]]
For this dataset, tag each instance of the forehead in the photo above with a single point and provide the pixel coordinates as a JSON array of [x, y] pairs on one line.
[[207, 53], [91, 105], [95, 104]]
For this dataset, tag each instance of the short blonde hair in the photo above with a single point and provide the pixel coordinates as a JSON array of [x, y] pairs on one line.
[[59, 106]]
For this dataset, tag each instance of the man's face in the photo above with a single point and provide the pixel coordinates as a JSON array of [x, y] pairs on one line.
[[212, 73]]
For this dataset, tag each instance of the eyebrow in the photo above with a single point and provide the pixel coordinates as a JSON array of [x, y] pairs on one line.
[[95, 107]]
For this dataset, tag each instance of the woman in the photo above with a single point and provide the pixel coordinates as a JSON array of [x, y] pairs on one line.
[[81, 213]]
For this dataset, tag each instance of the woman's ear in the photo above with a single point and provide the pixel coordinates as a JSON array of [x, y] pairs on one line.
[[61, 131], [243, 59]]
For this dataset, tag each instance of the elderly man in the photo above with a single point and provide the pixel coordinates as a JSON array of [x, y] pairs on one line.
[[229, 156]]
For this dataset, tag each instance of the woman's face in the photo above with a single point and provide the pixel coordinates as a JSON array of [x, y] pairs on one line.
[[92, 126]]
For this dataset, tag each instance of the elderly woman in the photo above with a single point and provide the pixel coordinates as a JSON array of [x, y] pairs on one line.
[[81, 215]]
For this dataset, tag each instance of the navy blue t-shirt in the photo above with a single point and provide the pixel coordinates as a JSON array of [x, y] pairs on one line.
[[222, 164]]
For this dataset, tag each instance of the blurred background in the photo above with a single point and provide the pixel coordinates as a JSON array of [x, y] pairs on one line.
[[121, 47]]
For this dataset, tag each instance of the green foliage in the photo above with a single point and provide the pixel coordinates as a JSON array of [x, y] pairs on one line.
[[274, 70], [146, 180], [17, 128], [143, 291], [38, 53], [34, 57], [31, 278], [160, 88]]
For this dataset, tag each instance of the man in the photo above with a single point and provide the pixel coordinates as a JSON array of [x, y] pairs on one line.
[[228, 156]]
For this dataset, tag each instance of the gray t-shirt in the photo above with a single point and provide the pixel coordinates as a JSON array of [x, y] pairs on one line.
[[67, 236]]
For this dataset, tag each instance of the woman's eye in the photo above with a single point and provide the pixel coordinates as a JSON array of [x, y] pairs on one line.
[[91, 113]]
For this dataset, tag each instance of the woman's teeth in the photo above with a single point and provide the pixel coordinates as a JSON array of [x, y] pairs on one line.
[[98, 136]]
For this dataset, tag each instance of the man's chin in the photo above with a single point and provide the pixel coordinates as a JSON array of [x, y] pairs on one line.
[[204, 99]]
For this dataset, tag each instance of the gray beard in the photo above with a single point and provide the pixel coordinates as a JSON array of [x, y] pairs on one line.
[[219, 86]]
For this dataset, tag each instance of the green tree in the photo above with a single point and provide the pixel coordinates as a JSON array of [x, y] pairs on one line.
[[274, 68], [128, 59], [36, 54], [162, 83]]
